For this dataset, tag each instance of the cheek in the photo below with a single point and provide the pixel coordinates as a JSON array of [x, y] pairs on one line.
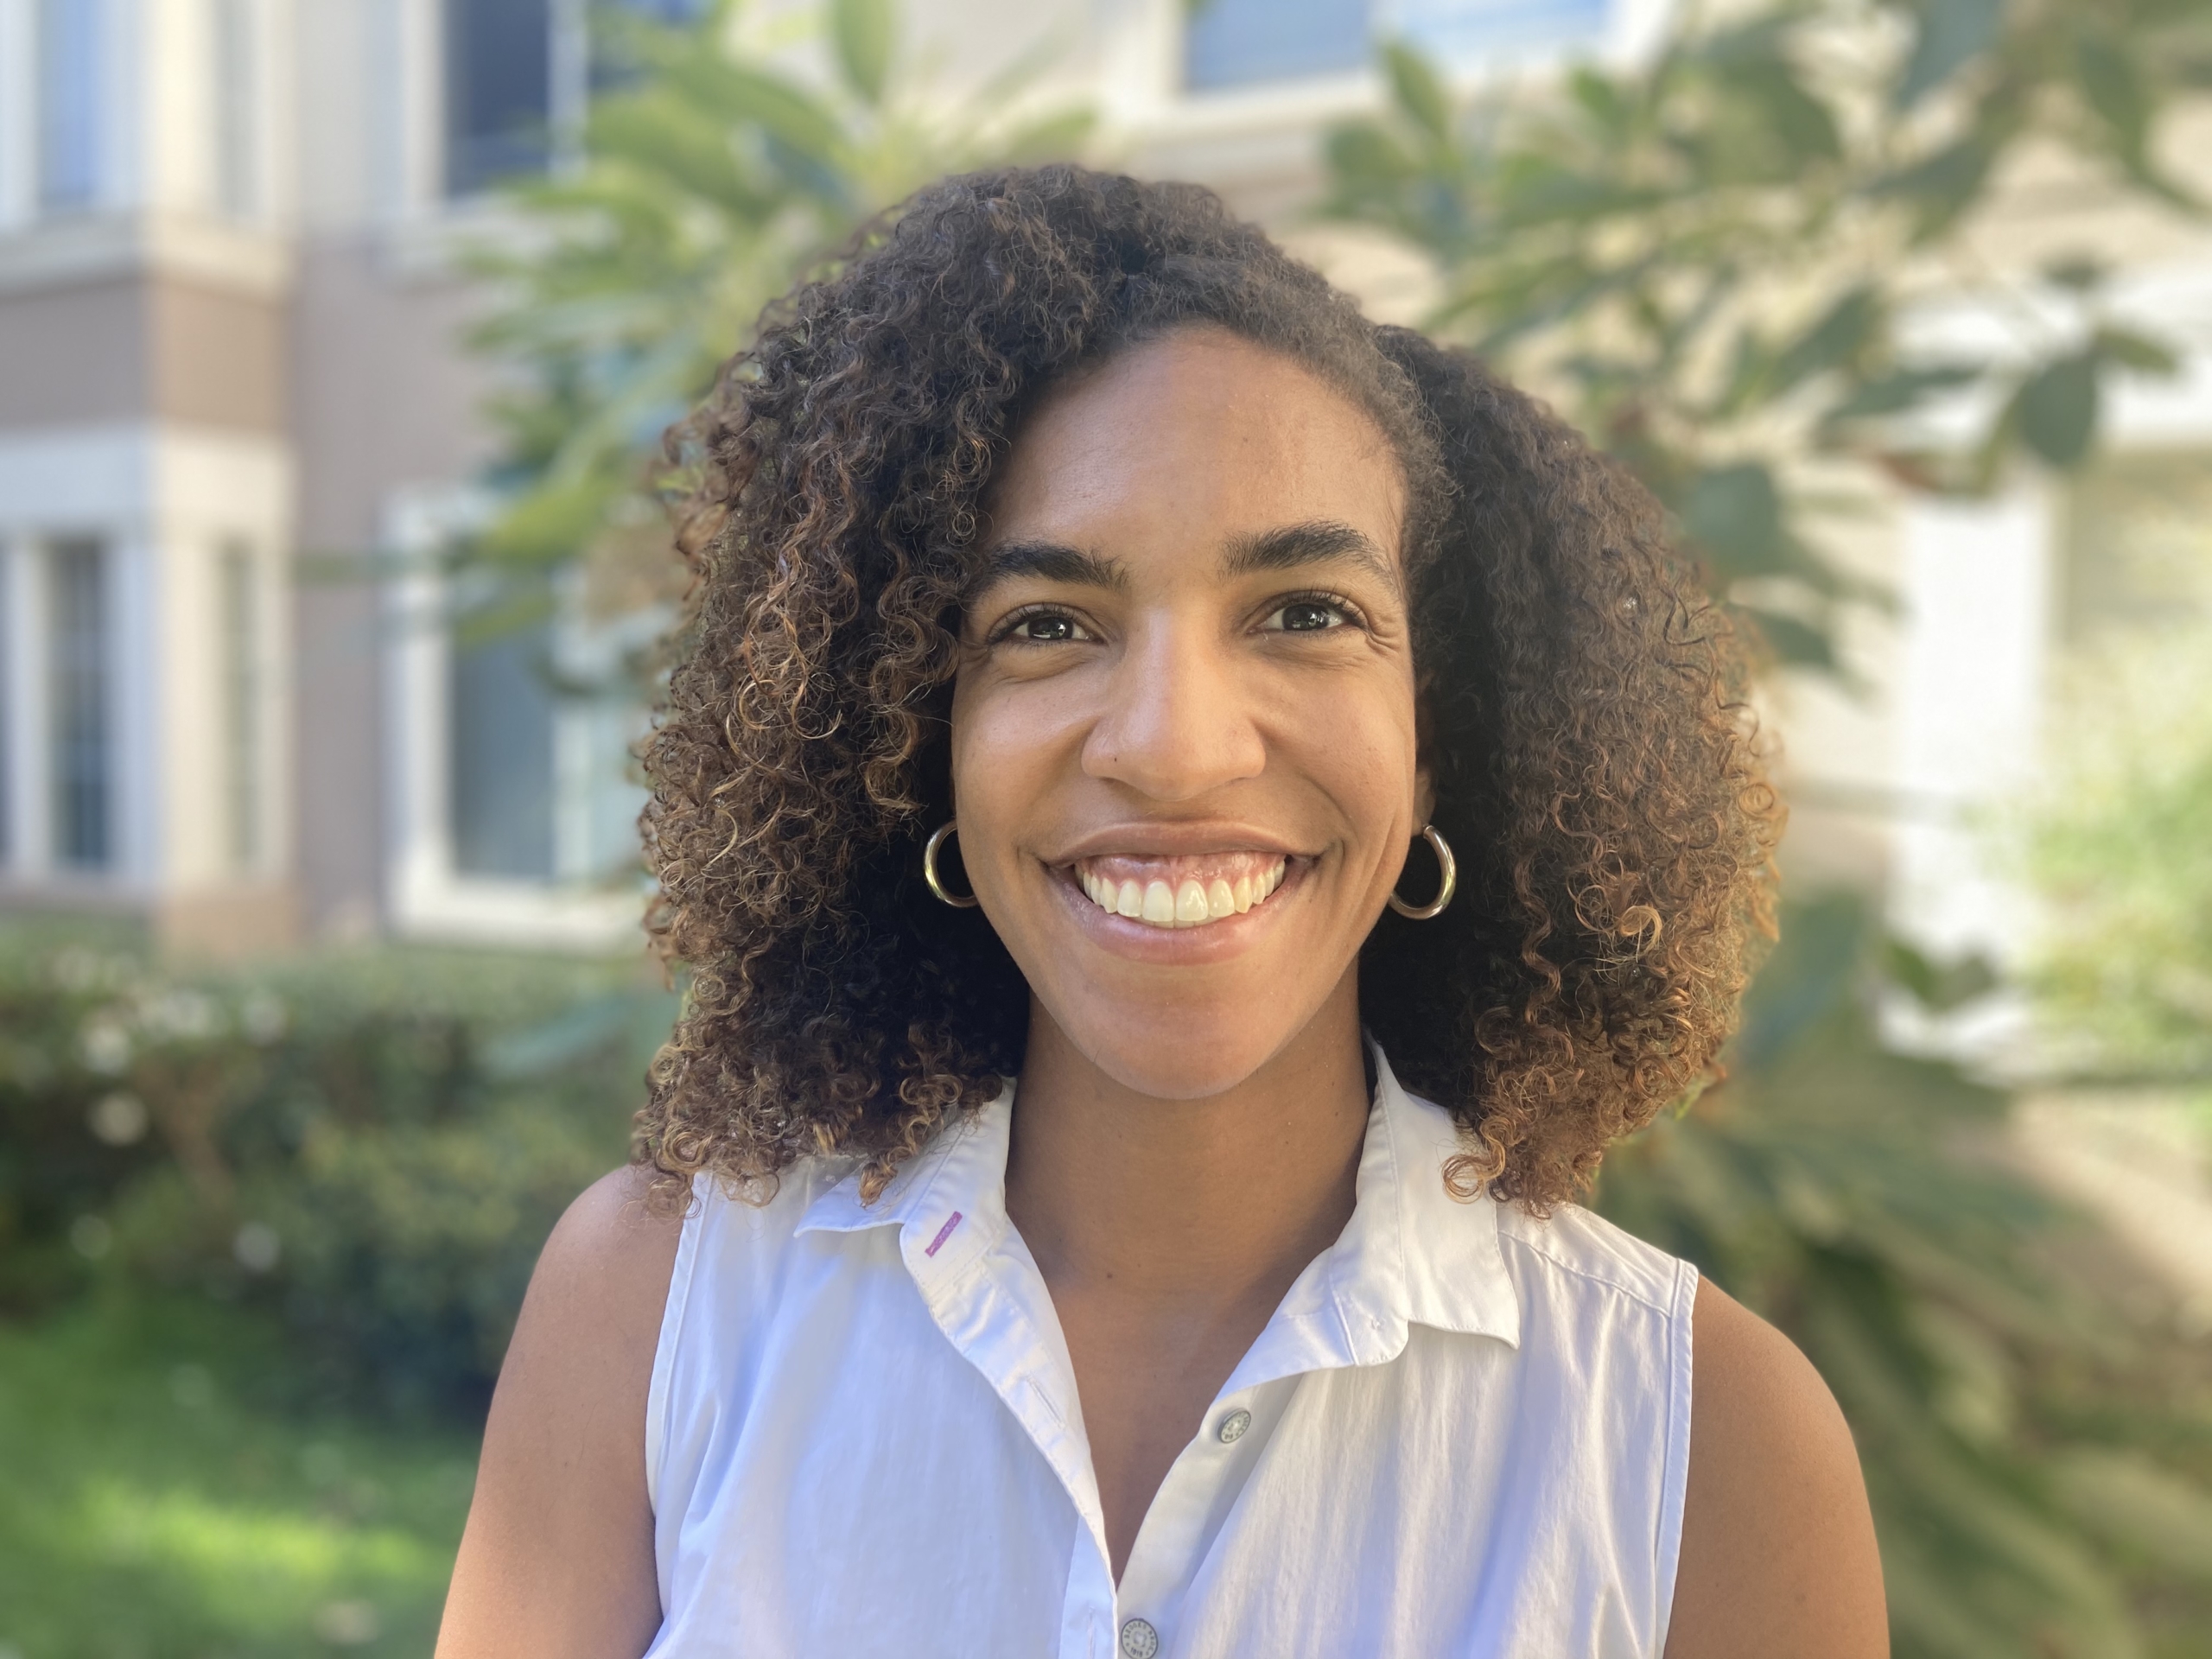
[[1002, 758], [971, 753], [1359, 744]]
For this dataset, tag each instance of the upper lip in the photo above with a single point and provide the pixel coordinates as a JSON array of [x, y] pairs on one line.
[[1170, 840]]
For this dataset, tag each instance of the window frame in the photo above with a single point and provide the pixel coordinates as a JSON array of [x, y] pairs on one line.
[[428, 895]]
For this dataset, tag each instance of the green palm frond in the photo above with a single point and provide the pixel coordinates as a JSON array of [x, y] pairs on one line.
[[714, 175]]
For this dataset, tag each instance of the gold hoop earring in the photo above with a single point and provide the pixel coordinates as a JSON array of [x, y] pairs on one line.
[[929, 869], [1451, 870]]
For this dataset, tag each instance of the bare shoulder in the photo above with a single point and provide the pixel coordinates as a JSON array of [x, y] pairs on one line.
[[557, 1559], [611, 1252], [1778, 1553], [591, 1319]]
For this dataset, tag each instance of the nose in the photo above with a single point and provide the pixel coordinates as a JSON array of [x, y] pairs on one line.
[[1177, 720]]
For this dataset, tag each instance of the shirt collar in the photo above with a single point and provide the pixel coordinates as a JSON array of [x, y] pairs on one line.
[[1411, 1254]]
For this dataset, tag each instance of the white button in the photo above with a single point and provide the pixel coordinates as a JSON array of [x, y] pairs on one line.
[[1233, 1426], [1139, 1639]]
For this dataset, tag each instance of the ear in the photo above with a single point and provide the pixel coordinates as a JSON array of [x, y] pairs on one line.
[[1424, 795]]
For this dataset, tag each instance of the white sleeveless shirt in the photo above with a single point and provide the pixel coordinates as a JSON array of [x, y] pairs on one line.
[[1465, 1432]]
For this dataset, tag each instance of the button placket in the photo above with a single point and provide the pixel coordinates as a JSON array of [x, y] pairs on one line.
[[1171, 1541]]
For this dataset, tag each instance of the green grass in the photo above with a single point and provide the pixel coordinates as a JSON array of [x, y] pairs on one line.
[[161, 1499]]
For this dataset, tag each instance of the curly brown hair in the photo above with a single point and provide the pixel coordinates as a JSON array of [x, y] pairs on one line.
[[1581, 703]]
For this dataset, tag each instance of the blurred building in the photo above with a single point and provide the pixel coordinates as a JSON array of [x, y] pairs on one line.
[[234, 406], [234, 402]]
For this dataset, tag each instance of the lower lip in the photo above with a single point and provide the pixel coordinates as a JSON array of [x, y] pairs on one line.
[[1177, 946]]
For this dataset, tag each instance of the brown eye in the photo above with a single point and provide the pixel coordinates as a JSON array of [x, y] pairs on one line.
[[1307, 616], [1047, 628]]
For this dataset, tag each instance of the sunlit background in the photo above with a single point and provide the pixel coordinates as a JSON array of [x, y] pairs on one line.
[[337, 338]]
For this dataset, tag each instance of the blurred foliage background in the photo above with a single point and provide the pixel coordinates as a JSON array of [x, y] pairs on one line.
[[263, 1231], [1715, 262], [2120, 848], [262, 1237]]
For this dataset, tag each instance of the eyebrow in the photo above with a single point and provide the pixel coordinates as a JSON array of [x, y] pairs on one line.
[[1049, 562], [1320, 542]]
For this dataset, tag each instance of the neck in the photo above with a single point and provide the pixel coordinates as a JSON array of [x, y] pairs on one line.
[[1188, 1204]]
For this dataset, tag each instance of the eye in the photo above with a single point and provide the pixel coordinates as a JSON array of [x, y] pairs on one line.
[[1310, 614], [1043, 627]]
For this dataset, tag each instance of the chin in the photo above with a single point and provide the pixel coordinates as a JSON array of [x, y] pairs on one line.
[[1194, 1058]]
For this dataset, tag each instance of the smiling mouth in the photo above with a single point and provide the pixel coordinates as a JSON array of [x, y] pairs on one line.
[[1189, 891]]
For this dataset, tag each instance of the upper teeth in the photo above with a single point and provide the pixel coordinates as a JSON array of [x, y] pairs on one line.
[[1190, 905]]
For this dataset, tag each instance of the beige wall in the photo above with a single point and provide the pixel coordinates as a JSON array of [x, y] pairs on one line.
[[216, 359], [386, 400], [137, 348], [73, 356]]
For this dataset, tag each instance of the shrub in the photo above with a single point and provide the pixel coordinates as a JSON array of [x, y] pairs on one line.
[[370, 1146]]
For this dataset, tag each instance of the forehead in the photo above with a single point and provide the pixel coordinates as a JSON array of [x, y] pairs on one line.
[[1196, 435]]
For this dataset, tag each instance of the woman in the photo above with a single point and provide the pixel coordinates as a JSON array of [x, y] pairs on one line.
[[1042, 1239]]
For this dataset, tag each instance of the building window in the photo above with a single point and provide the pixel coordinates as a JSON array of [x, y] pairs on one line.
[[78, 692], [517, 73], [1231, 43], [68, 85], [233, 84], [499, 103], [500, 749], [539, 723], [1240, 43], [239, 636], [1461, 31]]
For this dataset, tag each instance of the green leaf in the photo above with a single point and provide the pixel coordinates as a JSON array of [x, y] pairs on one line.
[[1363, 157], [735, 92], [2056, 408], [1417, 89], [2112, 85], [1952, 34], [1600, 100], [1793, 640], [1051, 137], [1900, 390], [550, 524], [2077, 273], [1937, 987], [671, 144], [1944, 184], [2134, 350], [1735, 512], [1841, 333], [2129, 1499], [1534, 188], [865, 34], [1806, 129]]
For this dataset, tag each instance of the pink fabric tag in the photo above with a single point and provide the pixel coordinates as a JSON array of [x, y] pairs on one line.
[[942, 1233]]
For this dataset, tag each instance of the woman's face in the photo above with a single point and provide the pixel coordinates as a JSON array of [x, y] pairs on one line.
[[1183, 731]]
